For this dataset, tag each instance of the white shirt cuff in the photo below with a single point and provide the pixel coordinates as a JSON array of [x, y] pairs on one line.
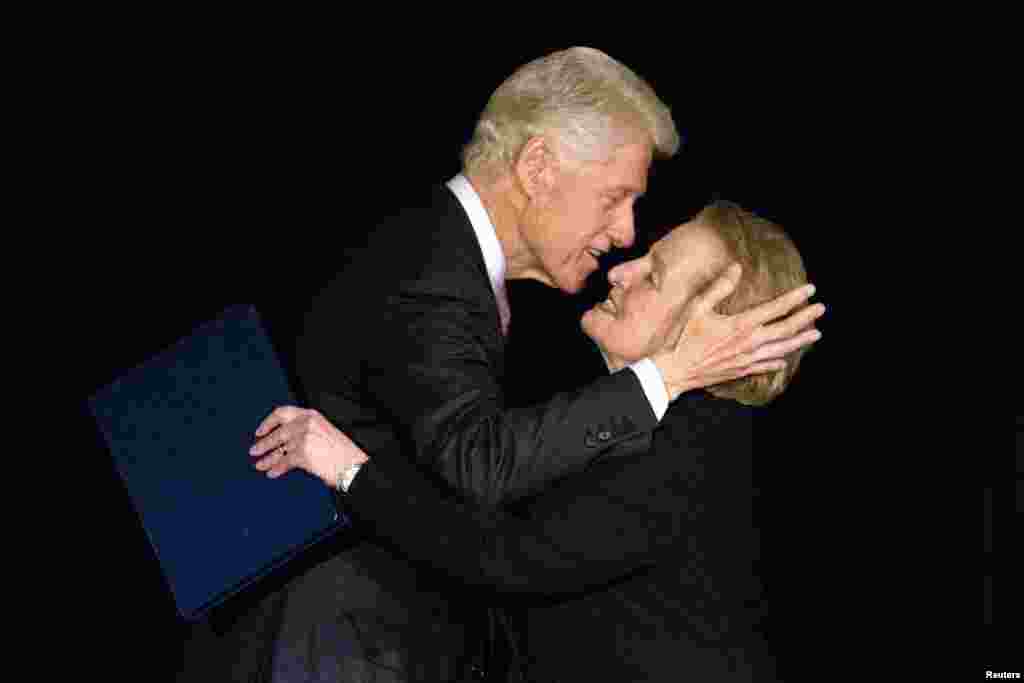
[[653, 385], [345, 480]]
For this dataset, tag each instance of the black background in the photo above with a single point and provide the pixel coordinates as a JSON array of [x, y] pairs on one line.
[[206, 170]]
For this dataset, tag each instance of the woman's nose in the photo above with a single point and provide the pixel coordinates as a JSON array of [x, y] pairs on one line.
[[617, 275], [623, 273]]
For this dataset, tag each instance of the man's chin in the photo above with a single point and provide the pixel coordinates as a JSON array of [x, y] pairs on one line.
[[547, 280], [566, 287], [565, 280], [576, 285]]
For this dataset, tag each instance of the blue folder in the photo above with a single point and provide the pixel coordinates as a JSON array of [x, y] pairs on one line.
[[179, 428]]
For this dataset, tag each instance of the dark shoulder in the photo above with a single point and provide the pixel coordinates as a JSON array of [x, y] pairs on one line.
[[707, 444], [427, 236], [424, 247], [698, 417], [428, 242]]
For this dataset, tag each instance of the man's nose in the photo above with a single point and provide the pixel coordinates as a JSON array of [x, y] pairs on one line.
[[622, 233]]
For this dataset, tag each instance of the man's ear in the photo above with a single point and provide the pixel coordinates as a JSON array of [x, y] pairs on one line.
[[535, 169]]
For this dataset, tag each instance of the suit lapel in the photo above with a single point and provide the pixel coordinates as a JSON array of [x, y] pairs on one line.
[[463, 239]]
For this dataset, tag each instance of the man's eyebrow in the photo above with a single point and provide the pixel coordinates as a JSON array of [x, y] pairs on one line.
[[626, 190]]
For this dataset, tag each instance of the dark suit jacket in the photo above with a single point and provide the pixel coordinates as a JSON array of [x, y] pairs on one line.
[[403, 352], [639, 569]]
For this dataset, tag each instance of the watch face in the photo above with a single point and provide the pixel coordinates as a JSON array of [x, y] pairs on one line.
[[345, 477]]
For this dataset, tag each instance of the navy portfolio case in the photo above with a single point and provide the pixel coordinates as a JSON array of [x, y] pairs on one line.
[[179, 428]]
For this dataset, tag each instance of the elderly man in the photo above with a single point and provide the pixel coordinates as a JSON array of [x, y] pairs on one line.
[[403, 351], [649, 557]]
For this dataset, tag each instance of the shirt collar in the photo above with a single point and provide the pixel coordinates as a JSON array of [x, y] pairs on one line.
[[486, 235]]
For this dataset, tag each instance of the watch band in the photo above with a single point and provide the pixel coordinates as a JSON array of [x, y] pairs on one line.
[[345, 477]]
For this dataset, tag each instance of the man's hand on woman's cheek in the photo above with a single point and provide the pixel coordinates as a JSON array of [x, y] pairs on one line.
[[708, 348]]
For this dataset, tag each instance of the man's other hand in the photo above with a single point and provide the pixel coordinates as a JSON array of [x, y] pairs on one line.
[[292, 437]]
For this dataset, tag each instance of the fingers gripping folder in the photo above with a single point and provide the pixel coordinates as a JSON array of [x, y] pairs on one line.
[[179, 428]]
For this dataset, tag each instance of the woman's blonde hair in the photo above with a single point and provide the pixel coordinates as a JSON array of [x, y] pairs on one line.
[[771, 267], [590, 102]]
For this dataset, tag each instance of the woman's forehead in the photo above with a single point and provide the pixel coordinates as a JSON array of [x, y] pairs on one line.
[[687, 241]]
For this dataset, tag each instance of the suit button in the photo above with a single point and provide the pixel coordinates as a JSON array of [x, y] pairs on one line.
[[589, 441], [604, 436]]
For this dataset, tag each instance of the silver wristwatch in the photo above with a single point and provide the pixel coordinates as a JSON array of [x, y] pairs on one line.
[[345, 477]]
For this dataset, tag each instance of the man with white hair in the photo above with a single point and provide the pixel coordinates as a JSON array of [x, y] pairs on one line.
[[403, 350]]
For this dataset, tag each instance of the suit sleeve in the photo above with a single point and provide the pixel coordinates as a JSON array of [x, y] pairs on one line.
[[440, 385], [619, 516]]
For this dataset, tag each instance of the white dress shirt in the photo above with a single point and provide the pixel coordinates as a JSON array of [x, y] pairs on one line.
[[494, 260], [487, 236]]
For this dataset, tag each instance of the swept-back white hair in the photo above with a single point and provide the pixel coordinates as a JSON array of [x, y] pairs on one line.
[[588, 101]]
